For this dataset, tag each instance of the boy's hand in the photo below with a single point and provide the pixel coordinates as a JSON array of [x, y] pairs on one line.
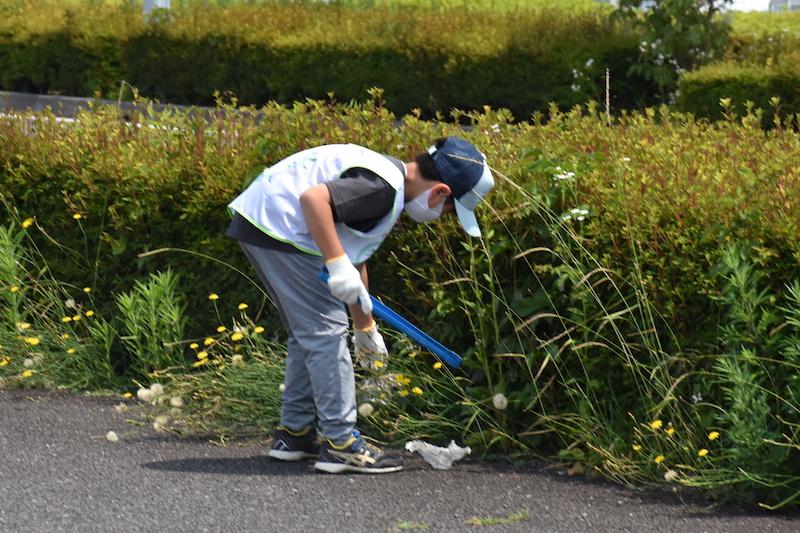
[[346, 284], [369, 340]]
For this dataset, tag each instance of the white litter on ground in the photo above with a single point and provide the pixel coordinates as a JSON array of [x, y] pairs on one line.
[[439, 458]]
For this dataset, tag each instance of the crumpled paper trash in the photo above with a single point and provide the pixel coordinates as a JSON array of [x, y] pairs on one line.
[[439, 458]]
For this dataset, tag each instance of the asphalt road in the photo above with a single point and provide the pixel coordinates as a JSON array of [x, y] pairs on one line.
[[59, 473]]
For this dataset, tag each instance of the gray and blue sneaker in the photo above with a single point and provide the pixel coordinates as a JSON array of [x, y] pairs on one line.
[[288, 445], [355, 455]]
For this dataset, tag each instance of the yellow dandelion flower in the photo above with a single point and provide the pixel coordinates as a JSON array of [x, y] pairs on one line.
[[209, 341], [258, 329], [76, 318], [27, 373], [378, 364], [437, 365], [66, 319], [213, 296], [237, 337], [702, 452], [65, 336], [77, 216], [127, 395], [71, 350], [670, 431], [403, 393], [201, 362], [194, 346], [417, 390], [202, 355], [89, 313], [714, 435], [28, 222], [637, 447], [14, 288], [243, 306], [87, 290], [406, 381], [221, 329], [4, 362], [659, 459], [656, 424], [33, 341]]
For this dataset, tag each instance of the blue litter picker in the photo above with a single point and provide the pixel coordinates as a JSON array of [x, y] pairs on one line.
[[382, 311]]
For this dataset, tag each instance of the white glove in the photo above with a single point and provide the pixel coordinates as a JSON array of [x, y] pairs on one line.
[[345, 283], [369, 340], [369, 345]]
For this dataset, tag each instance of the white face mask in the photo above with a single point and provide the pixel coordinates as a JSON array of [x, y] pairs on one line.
[[419, 211]]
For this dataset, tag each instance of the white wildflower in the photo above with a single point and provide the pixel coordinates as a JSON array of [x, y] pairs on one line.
[[626, 159], [500, 401], [37, 359], [590, 62], [365, 409], [160, 422], [112, 437], [564, 176], [697, 397], [145, 395], [157, 389], [496, 128], [575, 87], [670, 476], [27, 363], [176, 401]]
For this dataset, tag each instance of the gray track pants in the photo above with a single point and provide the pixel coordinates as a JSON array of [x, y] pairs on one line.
[[319, 376]]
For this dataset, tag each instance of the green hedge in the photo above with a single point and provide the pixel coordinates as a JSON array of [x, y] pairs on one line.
[[600, 303], [702, 90], [435, 60]]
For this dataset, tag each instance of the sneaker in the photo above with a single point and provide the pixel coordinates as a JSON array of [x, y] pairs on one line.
[[356, 455], [288, 445]]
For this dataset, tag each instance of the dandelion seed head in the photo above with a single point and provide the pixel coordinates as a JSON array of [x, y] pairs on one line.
[[176, 401], [28, 362], [145, 395], [70, 304], [237, 359], [366, 409], [670, 476], [120, 408], [282, 387], [157, 389], [500, 401], [162, 420], [112, 437]]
